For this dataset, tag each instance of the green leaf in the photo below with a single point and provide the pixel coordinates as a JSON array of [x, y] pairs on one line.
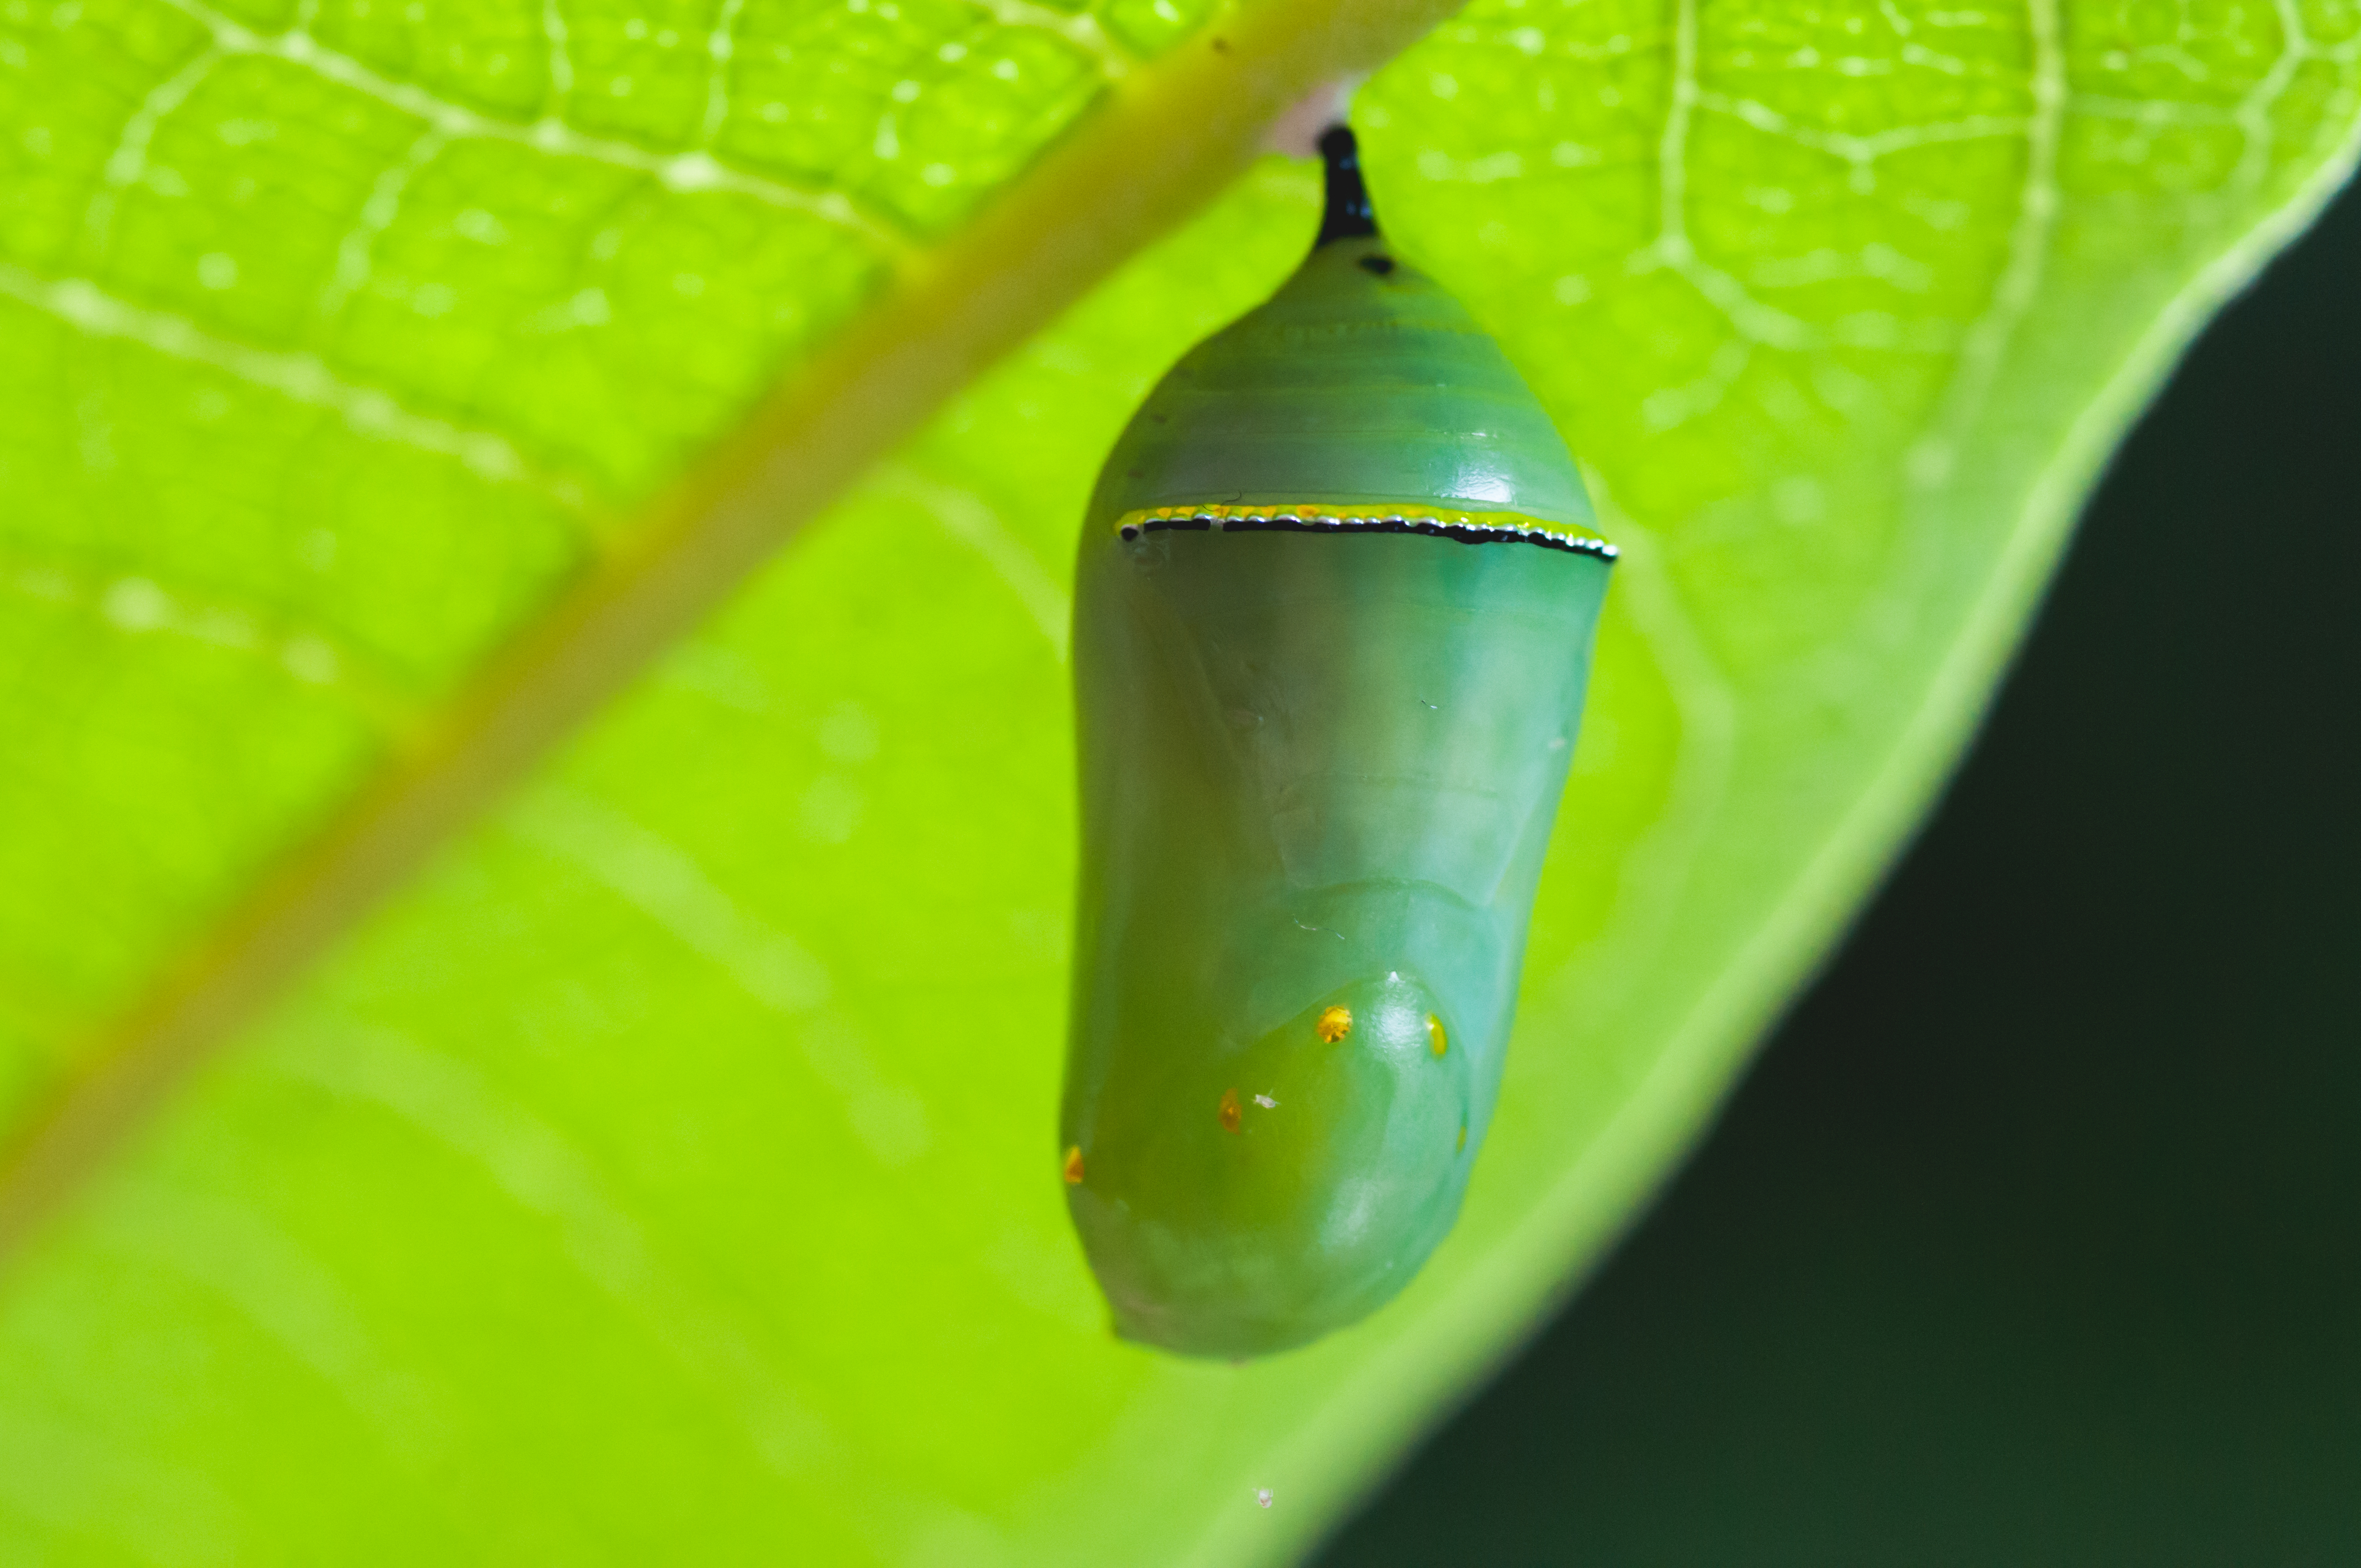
[[669, 1171]]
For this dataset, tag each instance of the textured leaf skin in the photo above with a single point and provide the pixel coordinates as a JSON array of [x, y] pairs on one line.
[[1319, 771]]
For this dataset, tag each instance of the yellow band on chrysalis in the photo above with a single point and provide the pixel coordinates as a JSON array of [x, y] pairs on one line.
[[1390, 516]]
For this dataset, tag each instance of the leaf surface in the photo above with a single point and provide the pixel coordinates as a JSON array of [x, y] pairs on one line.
[[669, 1171]]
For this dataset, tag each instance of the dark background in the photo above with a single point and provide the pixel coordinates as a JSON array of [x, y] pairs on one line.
[[2034, 1236]]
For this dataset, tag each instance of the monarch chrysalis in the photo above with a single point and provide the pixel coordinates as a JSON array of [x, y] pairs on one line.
[[1332, 629]]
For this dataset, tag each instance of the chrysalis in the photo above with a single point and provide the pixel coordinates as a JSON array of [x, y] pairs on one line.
[[1332, 629]]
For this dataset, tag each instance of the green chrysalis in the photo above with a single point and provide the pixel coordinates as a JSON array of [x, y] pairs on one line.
[[1332, 627]]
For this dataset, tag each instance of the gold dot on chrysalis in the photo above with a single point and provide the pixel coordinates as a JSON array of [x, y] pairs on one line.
[[1074, 1167], [1435, 1039], [1463, 1135], [1230, 1111], [1335, 1023]]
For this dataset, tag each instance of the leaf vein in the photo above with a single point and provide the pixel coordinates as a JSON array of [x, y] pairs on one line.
[[354, 248], [696, 171], [138, 605], [300, 377], [968, 520], [127, 163], [1984, 345]]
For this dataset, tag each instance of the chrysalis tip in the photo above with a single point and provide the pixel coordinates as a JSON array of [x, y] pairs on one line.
[[1348, 214]]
